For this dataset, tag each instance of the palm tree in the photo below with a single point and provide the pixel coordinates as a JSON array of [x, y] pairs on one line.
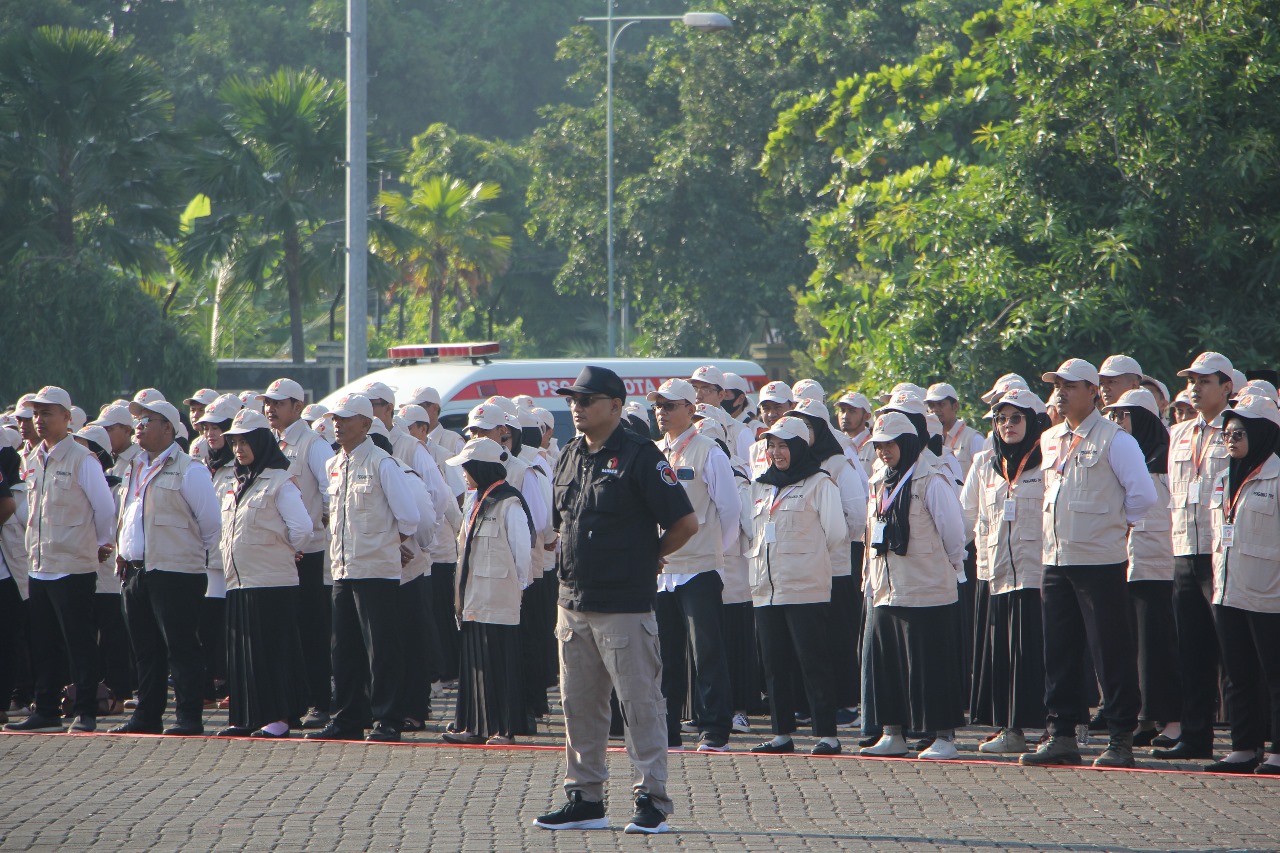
[[460, 244], [271, 167]]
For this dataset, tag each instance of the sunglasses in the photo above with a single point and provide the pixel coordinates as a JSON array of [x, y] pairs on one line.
[[1013, 420], [1234, 434], [670, 406], [1118, 415], [582, 401]]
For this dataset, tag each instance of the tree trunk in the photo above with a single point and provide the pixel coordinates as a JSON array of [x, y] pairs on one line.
[[333, 313], [436, 291], [293, 280], [219, 291]]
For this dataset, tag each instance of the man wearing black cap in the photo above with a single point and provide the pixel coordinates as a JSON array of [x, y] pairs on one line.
[[613, 491]]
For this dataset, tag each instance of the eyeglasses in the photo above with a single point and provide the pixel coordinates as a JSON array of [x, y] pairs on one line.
[[1234, 434], [671, 405], [1012, 420], [582, 401], [1118, 415], [139, 423]]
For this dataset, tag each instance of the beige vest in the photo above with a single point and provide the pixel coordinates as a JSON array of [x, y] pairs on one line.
[[759, 462], [1247, 575], [866, 451], [704, 551], [1009, 552], [224, 484], [299, 437], [420, 563], [13, 539], [492, 594], [444, 544], [923, 577], [1192, 526], [796, 567], [959, 442], [61, 536], [1083, 520], [1151, 539], [541, 537], [255, 539], [841, 467], [364, 539], [170, 532]]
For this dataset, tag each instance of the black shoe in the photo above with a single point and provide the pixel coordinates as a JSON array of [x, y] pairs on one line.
[[1098, 723], [383, 733], [410, 725], [575, 814], [824, 748], [36, 723], [869, 741], [647, 819], [263, 733], [1234, 766], [1183, 751], [182, 729], [315, 719], [771, 748], [924, 743], [1163, 742], [1145, 737], [333, 731], [134, 726], [1265, 769], [804, 719], [713, 743], [461, 738], [232, 731]]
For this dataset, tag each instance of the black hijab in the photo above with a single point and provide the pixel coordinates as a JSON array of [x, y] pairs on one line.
[[223, 456], [531, 436], [1263, 436], [1153, 437], [1011, 455], [381, 442], [636, 425], [266, 454], [486, 474], [897, 526], [921, 423], [803, 464], [824, 444], [517, 442]]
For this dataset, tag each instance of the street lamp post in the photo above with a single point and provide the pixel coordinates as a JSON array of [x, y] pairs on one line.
[[357, 224], [704, 21]]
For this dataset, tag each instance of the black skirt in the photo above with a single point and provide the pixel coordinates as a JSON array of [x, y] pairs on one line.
[[534, 629], [916, 667], [265, 676], [742, 654], [1008, 681], [490, 681]]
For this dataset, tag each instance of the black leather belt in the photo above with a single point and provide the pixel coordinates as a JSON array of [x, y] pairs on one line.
[[135, 564]]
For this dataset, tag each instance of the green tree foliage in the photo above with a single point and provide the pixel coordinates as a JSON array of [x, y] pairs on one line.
[[1083, 177]]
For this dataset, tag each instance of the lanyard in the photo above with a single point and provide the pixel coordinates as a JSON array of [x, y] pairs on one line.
[[885, 503], [863, 443], [1198, 450], [1061, 464], [475, 509], [675, 452], [1231, 506], [780, 498], [955, 437], [143, 480], [1018, 476]]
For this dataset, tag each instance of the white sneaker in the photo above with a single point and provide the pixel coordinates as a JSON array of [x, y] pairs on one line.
[[741, 724], [889, 745], [940, 750], [1005, 742]]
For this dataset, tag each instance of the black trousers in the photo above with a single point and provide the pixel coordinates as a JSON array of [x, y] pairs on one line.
[[418, 651], [689, 621], [1154, 633], [162, 613], [315, 606], [63, 646], [1197, 647], [1087, 607], [367, 667], [846, 630], [13, 639], [1250, 644], [115, 658], [213, 640], [442, 575], [793, 638]]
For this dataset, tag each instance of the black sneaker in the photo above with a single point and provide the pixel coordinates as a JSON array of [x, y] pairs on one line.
[[647, 820], [575, 814], [36, 723], [315, 719], [383, 733]]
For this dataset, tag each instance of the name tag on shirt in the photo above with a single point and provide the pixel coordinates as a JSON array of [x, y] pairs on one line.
[[1010, 510], [770, 533], [1193, 491], [1228, 535], [877, 533], [684, 473]]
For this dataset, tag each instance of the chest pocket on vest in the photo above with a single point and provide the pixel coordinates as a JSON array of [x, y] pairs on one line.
[[486, 542], [796, 533], [254, 514], [920, 519], [61, 506], [367, 515], [163, 494], [1256, 526], [604, 495]]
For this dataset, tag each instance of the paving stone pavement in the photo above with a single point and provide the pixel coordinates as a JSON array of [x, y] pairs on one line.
[[64, 792]]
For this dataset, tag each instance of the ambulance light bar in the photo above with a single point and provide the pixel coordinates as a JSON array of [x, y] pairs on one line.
[[478, 352]]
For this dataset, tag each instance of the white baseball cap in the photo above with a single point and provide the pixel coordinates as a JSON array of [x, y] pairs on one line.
[[486, 416], [222, 409], [854, 400], [776, 392], [423, 395], [378, 391], [203, 397], [547, 420], [1259, 388], [1208, 362], [323, 427], [1119, 365], [78, 418], [351, 405], [707, 411], [1184, 397], [377, 427], [906, 402], [114, 416], [508, 407], [1137, 398], [144, 398], [789, 427], [1073, 370], [710, 374], [52, 395], [524, 401], [808, 389], [1164, 389], [1238, 379], [314, 412], [23, 409], [164, 409], [812, 408], [904, 386], [246, 421], [933, 423], [528, 420], [284, 389], [734, 382], [1020, 398], [632, 409], [1255, 407], [414, 414], [674, 389], [10, 437], [96, 434], [1003, 384], [890, 425], [480, 450], [939, 392], [250, 400]]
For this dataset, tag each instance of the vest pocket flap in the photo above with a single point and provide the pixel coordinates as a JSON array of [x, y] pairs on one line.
[[1030, 532], [1181, 452], [491, 569], [69, 514], [1095, 507], [1262, 551], [795, 546], [1259, 504]]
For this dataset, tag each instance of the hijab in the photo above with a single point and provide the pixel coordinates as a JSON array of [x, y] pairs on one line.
[[223, 456], [485, 475], [824, 444], [1263, 435], [922, 428], [803, 464], [1010, 456], [1153, 437], [897, 526], [266, 454], [531, 437]]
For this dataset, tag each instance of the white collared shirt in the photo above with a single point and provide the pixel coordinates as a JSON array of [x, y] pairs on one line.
[[196, 490], [718, 475]]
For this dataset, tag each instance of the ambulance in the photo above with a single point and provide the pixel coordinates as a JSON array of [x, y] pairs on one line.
[[466, 374]]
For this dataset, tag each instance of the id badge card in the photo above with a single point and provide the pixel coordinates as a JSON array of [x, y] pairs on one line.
[[1051, 496], [1193, 491], [770, 533], [877, 533], [1010, 510], [1228, 535]]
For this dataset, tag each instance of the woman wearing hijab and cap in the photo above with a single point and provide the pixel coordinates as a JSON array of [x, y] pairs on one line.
[[496, 542], [797, 521], [264, 526], [1002, 499], [1246, 584], [1151, 571], [916, 545]]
